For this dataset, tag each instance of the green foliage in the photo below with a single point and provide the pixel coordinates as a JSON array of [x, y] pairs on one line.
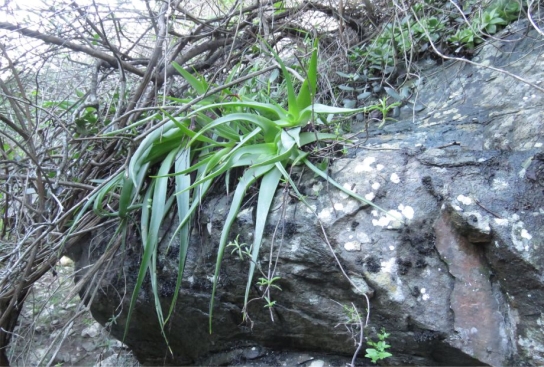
[[352, 315], [412, 35], [223, 132], [264, 282], [241, 249], [378, 350]]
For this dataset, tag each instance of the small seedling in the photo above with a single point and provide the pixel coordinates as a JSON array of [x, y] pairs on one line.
[[269, 303], [268, 282], [242, 249], [377, 352]]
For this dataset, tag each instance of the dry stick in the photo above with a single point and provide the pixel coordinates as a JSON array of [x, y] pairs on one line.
[[71, 45], [96, 266], [531, 18], [161, 35], [47, 231], [62, 183], [361, 335], [81, 311], [67, 327]]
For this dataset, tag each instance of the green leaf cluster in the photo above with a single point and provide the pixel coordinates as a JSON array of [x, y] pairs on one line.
[[191, 151], [378, 350], [409, 37]]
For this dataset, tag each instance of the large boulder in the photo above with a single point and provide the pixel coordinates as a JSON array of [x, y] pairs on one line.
[[457, 278]]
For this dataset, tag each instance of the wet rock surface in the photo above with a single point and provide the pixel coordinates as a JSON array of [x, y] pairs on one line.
[[454, 272]]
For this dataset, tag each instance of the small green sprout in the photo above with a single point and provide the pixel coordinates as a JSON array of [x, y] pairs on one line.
[[378, 352]]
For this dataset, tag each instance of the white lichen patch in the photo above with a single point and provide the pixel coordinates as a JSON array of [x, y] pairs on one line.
[[349, 187], [375, 186], [521, 238], [317, 187], [363, 237], [352, 246], [525, 234], [365, 166], [379, 167], [351, 206], [392, 221], [531, 342], [464, 199], [424, 295], [501, 221], [317, 363], [389, 266], [407, 211], [382, 222], [325, 214], [499, 185], [391, 248], [538, 145], [370, 196], [394, 178], [338, 206], [385, 280]]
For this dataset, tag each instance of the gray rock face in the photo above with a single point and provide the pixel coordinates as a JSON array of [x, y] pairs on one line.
[[456, 278]]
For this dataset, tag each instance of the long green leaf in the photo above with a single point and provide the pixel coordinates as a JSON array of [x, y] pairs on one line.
[[107, 189], [294, 109], [308, 89], [158, 211], [269, 128], [188, 132], [183, 203], [144, 224], [267, 190], [266, 108], [312, 137], [198, 85], [144, 149], [150, 225], [247, 180]]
